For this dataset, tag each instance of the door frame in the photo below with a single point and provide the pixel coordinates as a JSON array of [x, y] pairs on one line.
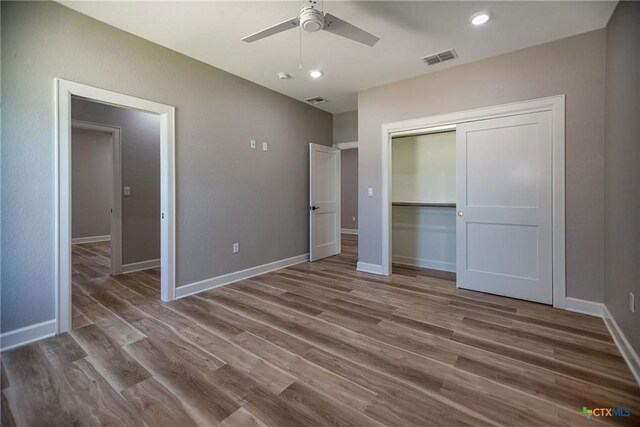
[[555, 104], [116, 198], [63, 91]]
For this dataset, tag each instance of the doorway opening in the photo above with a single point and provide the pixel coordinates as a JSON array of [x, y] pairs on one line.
[[96, 207], [115, 204], [423, 203], [83, 122]]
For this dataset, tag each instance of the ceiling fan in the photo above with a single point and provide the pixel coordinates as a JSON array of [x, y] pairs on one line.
[[311, 19]]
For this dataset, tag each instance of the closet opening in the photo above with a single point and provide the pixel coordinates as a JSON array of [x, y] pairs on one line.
[[423, 207], [509, 196]]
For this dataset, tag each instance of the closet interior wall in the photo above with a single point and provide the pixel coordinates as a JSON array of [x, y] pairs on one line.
[[423, 195]]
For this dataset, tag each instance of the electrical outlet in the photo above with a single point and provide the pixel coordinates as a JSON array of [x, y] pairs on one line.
[[236, 248], [632, 302], [370, 192], [253, 143], [127, 191], [265, 146], [353, 218]]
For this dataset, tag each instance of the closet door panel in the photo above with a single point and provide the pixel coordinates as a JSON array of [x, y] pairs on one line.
[[504, 196]]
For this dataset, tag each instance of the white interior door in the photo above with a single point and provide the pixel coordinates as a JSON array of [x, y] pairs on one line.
[[504, 204], [324, 200]]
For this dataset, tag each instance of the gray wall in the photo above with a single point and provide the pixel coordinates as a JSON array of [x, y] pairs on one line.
[[622, 169], [225, 191], [349, 188], [91, 184], [572, 66], [345, 127], [140, 153]]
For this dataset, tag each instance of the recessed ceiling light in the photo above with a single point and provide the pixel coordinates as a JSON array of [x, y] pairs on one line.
[[316, 74], [480, 18]]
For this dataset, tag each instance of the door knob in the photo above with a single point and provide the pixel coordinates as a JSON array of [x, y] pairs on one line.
[[460, 213], [313, 208]]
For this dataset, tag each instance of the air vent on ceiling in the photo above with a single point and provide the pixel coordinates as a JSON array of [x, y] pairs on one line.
[[435, 58], [316, 100]]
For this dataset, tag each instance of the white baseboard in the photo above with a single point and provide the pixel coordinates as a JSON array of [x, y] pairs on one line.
[[138, 266], [349, 231], [425, 263], [583, 306], [628, 353], [28, 334], [365, 267], [225, 279], [90, 239], [600, 310]]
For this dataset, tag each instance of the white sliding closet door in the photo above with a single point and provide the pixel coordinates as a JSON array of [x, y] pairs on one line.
[[504, 204]]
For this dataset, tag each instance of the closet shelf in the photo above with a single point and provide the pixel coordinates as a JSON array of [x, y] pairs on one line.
[[428, 205]]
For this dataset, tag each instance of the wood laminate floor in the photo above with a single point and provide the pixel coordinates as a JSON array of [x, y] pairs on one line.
[[314, 344]]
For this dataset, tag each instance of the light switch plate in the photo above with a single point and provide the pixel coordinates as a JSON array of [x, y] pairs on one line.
[[126, 191], [632, 302], [236, 248], [370, 192], [265, 146], [253, 143]]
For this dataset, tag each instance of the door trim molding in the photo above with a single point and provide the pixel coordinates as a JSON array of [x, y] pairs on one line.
[[116, 200], [63, 91], [555, 104]]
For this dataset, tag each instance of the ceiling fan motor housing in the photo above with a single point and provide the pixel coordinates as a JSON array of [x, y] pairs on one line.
[[311, 19]]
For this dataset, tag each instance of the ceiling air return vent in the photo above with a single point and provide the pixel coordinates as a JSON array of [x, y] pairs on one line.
[[435, 58], [316, 100]]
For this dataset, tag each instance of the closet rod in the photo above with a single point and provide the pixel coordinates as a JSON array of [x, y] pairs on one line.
[[429, 205]]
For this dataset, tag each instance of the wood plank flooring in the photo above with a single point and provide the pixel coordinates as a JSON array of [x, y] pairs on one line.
[[315, 344]]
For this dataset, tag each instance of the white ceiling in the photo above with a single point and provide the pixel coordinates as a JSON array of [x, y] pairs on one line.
[[211, 32]]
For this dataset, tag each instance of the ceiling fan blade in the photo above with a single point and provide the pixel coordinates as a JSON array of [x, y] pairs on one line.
[[342, 28], [275, 29]]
